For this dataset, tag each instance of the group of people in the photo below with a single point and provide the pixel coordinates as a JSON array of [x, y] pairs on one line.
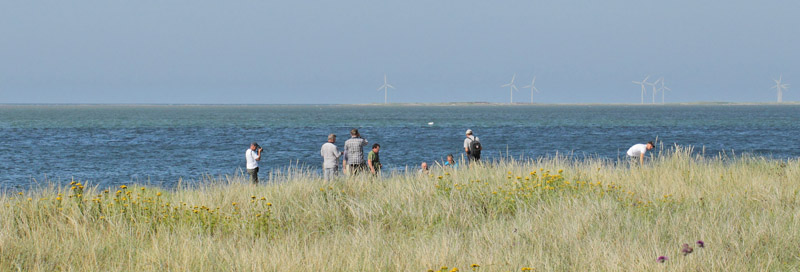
[[354, 163], [352, 156]]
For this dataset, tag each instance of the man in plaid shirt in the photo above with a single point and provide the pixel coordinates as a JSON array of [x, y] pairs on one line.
[[354, 152]]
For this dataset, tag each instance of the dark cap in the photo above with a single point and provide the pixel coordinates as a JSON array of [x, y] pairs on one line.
[[254, 143]]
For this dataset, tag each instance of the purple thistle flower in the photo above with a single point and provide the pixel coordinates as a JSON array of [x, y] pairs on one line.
[[686, 249], [661, 259], [701, 244]]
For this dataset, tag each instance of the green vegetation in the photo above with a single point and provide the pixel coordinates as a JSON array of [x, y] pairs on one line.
[[554, 214]]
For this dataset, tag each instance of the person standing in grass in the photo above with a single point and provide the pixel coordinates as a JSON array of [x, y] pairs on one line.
[[638, 150], [423, 168], [472, 146], [374, 160], [450, 162], [253, 155], [354, 152], [330, 158]]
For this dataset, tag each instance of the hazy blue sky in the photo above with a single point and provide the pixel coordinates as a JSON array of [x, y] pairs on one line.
[[433, 51]]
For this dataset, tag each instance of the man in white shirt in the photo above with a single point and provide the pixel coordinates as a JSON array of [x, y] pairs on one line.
[[473, 151], [330, 158], [638, 150], [252, 161]]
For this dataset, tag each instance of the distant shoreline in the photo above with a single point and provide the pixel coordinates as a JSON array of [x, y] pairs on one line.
[[443, 104]]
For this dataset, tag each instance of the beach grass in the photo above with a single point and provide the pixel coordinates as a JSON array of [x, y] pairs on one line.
[[547, 214]]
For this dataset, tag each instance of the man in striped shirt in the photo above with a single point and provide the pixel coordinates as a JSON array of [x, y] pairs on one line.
[[354, 152]]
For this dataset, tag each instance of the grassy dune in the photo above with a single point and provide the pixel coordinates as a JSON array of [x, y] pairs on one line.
[[594, 215]]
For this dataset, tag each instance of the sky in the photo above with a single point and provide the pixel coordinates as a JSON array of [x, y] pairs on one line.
[[337, 52]]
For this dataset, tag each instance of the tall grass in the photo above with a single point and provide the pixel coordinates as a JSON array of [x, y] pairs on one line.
[[549, 214]]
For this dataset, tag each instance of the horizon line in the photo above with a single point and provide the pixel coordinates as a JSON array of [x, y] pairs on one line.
[[477, 103]]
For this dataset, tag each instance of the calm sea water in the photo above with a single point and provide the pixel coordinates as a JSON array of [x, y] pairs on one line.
[[111, 145]]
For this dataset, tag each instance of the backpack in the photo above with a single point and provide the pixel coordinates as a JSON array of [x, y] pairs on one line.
[[475, 148]]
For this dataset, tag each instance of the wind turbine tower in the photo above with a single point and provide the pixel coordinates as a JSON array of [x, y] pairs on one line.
[[385, 88], [512, 87], [642, 83], [654, 88], [780, 87], [662, 89], [532, 87]]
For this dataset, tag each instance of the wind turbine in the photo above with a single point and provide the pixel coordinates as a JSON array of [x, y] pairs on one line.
[[654, 88], [385, 88], [662, 89], [533, 88], [642, 83], [780, 87], [512, 87]]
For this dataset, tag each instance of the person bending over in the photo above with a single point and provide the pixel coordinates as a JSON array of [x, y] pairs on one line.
[[638, 150]]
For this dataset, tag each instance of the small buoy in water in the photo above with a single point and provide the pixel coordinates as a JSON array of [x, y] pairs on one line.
[[430, 123]]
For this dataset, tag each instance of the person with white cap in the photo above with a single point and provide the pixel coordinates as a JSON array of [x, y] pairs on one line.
[[472, 146]]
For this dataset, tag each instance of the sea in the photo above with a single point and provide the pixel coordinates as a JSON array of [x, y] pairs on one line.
[[161, 145]]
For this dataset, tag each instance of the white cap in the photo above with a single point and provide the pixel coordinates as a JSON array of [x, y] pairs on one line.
[[469, 132]]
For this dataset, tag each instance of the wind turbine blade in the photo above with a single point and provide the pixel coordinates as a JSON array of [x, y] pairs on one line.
[[509, 84], [537, 90], [636, 82], [513, 77], [381, 87], [525, 87], [667, 88], [776, 86], [645, 79], [514, 87], [390, 86]]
